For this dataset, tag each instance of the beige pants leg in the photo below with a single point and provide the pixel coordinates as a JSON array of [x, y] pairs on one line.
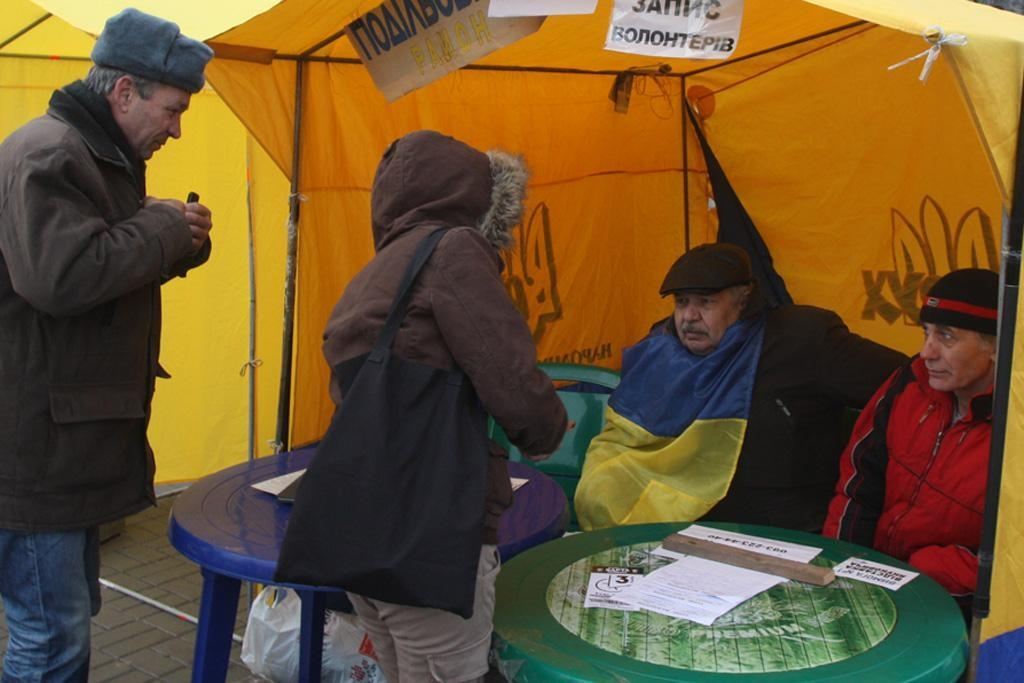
[[417, 644]]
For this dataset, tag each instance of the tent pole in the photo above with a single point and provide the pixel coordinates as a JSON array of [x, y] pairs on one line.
[[355, 61], [686, 164], [284, 393], [1009, 280], [18, 34], [253, 362], [783, 46]]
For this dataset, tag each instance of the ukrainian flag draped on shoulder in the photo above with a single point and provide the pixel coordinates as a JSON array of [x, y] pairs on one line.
[[673, 430]]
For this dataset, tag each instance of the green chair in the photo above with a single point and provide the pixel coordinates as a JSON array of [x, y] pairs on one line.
[[586, 408]]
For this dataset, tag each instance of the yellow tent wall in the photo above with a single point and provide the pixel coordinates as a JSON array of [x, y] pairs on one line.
[[568, 322], [903, 202], [201, 418]]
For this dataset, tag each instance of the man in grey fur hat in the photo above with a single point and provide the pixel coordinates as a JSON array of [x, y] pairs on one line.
[[83, 252]]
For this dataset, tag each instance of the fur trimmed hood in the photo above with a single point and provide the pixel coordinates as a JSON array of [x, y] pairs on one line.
[[429, 178]]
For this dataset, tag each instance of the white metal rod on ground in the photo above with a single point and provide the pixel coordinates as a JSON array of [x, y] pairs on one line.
[[159, 605]]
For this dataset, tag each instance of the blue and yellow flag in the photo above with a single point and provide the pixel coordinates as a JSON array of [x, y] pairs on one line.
[[673, 430]]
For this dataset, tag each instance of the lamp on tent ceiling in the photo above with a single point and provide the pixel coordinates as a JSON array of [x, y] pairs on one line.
[[622, 86]]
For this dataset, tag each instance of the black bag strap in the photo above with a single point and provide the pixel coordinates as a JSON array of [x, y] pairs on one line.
[[401, 302]]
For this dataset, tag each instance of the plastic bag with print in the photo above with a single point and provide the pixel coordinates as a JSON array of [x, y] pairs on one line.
[[271, 645]]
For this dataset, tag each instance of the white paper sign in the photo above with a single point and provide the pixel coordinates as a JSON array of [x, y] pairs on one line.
[[875, 573], [756, 544], [517, 482], [697, 589], [605, 585], [691, 29], [275, 485], [540, 8], [406, 45]]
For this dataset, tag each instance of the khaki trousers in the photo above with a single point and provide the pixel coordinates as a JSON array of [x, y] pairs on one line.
[[419, 644]]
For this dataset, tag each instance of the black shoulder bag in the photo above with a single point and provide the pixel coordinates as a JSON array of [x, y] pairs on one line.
[[392, 505]]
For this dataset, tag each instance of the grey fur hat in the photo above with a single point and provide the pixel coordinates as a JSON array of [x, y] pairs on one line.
[[153, 48]]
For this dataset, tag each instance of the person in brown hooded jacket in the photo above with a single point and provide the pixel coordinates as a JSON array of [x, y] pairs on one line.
[[459, 314]]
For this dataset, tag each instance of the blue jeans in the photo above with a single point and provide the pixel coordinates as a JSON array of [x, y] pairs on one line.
[[49, 583]]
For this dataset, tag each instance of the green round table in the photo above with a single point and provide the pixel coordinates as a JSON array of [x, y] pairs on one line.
[[847, 631]]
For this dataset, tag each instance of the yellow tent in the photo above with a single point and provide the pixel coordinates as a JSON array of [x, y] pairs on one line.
[[201, 420], [864, 182]]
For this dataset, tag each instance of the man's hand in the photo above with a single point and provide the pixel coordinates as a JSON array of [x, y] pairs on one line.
[[538, 457], [200, 222], [198, 216]]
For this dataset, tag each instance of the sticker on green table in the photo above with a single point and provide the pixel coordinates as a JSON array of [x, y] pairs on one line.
[[792, 626]]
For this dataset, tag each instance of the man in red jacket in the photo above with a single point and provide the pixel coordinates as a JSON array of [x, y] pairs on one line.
[[912, 479]]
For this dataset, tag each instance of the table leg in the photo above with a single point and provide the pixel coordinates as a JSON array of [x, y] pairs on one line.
[[217, 611], [311, 636]]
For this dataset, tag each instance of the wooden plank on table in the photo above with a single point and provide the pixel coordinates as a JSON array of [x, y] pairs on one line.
[[790, 569]]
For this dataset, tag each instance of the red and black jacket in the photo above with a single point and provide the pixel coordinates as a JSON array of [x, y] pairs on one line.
[[912, 482]]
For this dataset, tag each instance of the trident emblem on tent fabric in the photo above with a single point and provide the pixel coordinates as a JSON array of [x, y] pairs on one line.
[[531, 277], [924, 252]]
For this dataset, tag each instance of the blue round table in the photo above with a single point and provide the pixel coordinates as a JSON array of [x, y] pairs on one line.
[[234, 533]]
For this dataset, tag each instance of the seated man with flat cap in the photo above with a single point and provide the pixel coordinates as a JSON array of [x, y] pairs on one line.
[[912, 479], [730, 410]]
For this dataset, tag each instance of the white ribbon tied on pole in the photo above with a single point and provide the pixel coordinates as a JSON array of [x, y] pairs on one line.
[[936, 37]]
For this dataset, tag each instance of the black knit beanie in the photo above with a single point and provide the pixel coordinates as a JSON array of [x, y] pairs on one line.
[[967, 298]]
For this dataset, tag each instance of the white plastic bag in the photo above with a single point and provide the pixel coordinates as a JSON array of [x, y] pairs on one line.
[[271, 644]]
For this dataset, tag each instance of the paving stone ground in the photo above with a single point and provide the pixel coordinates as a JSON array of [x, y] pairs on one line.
[[134, 641]]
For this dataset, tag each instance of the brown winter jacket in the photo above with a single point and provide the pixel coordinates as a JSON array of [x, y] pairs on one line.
[[81, 264], [459, 311]]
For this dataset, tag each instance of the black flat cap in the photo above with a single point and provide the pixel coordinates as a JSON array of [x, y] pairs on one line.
[[708, 268]]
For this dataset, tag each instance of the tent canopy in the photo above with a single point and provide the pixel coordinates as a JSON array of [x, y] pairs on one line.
[[68, 34], [572, 43]]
